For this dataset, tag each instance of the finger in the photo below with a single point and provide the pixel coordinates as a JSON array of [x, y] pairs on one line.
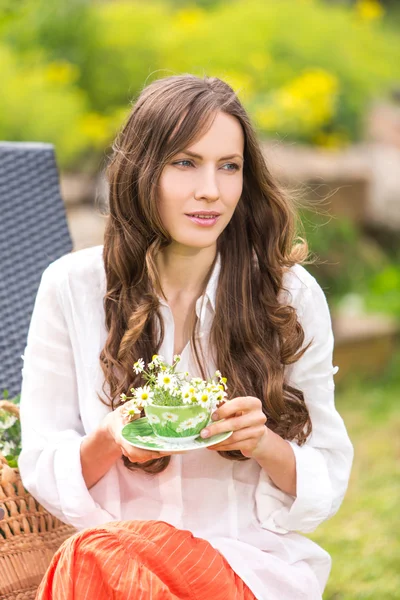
[[238, 405], [249, 433], [236, 423]]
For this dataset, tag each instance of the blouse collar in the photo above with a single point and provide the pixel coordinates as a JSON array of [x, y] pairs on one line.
[[210, 293]]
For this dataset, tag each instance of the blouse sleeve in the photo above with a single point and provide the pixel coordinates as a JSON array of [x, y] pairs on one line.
[[324, 462], [51, 427]]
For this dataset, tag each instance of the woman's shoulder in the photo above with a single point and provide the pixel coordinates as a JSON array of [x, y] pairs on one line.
[[297, 285], [78, 267], [297, 277]]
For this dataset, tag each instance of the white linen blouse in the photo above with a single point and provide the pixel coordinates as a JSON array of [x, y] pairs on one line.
[[234, 505]]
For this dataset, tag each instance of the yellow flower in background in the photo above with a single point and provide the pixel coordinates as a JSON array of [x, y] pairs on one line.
[[241, 83], [369, 10], [61, 72], [95, 129], [189, 18], [302, 106]]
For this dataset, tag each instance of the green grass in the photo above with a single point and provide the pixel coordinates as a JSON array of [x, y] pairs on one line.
[[364, 537]]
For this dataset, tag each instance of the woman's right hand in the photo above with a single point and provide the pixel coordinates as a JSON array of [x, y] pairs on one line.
[[113, 424]]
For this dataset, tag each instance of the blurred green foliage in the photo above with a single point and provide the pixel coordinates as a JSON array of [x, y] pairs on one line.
[[10, 433], [348, 261], [363, 537], [305, 69]]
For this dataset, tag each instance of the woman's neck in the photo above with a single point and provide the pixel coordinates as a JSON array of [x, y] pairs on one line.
[[182, 273]]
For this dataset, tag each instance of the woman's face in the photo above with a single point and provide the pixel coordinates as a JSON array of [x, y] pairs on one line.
[[210, 182]]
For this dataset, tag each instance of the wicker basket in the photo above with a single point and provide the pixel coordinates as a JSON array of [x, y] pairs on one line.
[[32, 535]]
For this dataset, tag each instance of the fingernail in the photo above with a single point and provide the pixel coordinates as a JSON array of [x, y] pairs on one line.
[[205, 433], [214, 416]]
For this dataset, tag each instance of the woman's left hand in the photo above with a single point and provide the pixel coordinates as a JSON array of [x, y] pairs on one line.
[[244, 416]]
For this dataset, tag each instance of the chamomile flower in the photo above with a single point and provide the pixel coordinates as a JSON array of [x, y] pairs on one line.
[[220, 397], [157, 359], [145, 438], [182, 375], [187, 392], [170, 417], [203, 398], [153, 419], [201, 417], [189, 423], [164, 385], [130, 409], [166, 381], [138, 367], [143, 395]]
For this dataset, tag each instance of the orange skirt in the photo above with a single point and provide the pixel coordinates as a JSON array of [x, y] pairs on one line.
[[144, 560]]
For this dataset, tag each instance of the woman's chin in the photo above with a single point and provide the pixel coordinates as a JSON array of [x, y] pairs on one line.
[[203, 241]]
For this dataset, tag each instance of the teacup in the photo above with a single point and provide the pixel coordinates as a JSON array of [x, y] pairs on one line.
[[177, 424]]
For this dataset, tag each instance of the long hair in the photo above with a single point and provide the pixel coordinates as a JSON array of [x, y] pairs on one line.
[[253, 335]]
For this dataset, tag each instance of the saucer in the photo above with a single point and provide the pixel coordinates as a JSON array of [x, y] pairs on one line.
[[140, 434]]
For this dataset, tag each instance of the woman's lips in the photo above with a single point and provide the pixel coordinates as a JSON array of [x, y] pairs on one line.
[[205, 222]]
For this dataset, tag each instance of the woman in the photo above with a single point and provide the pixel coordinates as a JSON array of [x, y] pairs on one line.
[[228, 293]]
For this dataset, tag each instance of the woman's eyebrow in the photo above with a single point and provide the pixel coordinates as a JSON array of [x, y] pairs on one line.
[[222, 157]]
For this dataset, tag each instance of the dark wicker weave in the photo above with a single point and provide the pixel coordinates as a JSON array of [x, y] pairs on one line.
[[33, 233], [29, 534]]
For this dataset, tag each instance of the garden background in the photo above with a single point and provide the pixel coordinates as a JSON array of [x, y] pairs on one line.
[[321, 80]]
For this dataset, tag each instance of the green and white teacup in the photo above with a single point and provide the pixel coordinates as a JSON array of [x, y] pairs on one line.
[[178, 424]]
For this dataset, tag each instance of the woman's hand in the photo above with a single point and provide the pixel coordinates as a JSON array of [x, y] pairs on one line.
[[244, 416], [112, 425]]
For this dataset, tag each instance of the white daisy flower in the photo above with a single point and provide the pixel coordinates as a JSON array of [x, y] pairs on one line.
[[138, 367], [187, 392], [157, 359], [203, 398], [129, 409], [166, 381], [201, 417], [181, 375], [153, 419], [189, 423], [143, 395], [145, 438], [168, 416]]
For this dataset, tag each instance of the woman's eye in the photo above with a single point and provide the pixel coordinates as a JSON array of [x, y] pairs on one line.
[[179, 162], [234, 165]]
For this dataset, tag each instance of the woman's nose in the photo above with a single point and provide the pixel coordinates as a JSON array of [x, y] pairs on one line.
[[207, 185]]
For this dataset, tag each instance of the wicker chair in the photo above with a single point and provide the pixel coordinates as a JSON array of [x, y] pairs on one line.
[[29, 535], [33, 233]]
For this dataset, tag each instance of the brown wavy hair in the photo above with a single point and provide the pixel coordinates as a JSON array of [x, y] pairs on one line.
[[253, 335]]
